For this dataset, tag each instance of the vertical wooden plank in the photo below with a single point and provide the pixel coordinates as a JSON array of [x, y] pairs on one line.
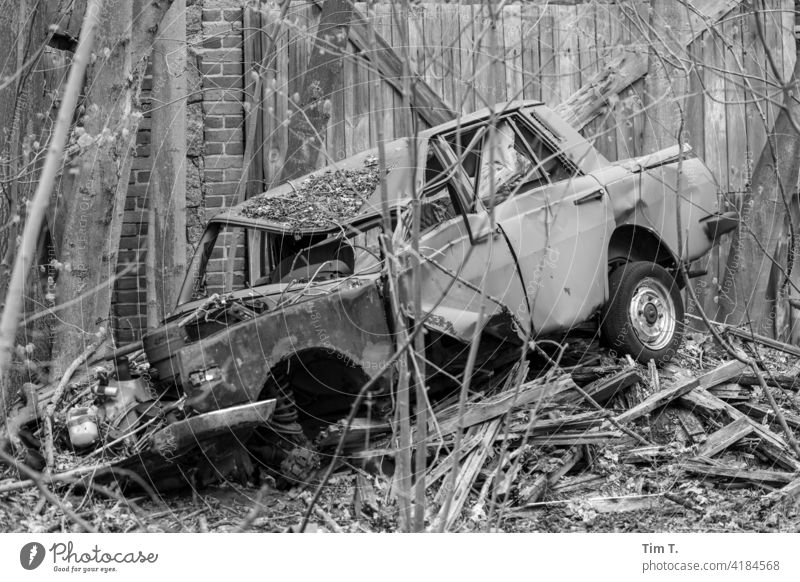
[[272, 152], [606, 141], [361, 119], [432, 30], [716, 150], [715, 130], [383, 25], [497, 77], [467, 58], [788, 38], [400, 44], [770, 20], [282, 88], [450, 53], [547, 57], [253, 54], [532, 86], [735, 111], [754, 62], [586, 30], [350, 113], [695, 101], [736, 129], [512, 33], [567, 48], [638, 43], [625, 111]]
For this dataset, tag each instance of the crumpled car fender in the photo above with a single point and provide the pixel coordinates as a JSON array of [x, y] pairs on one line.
[[349, 325]]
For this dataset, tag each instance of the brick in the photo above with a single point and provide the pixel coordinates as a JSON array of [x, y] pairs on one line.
[[223, 162], [138, 190], [143, 176], [234, 148], [234, 122], [222, 189], [131, 283], [134, 216], [221, 108], [224, 135], [142, 137], [143, 151], [214, 122], [207, 68], [211, 176], [141, 163], [223, 94], [132, 297], [215, 202], [223, 81], [133, 230], [228, 55], [128, 243], [232, 14], [128, 309], [213, 149], [214, 42], [233, 175], [232, 41], [210, 15], [233, 69]]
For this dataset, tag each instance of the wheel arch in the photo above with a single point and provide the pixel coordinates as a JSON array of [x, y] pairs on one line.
[[632, 242]]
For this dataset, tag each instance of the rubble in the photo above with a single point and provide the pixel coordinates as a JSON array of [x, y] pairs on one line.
[[586, 443]]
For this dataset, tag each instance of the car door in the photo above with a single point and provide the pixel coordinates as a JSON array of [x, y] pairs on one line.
[[465, 257], [557, 222]]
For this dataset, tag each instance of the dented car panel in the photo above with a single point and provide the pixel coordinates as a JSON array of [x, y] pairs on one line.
[[349, 325]]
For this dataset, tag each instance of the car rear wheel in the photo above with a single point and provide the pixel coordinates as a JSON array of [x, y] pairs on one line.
[[644, 313]]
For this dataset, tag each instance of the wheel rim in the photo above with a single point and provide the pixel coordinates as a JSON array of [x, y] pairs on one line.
[[652, 314]]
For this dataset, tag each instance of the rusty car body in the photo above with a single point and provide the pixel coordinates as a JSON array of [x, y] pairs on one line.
[[525, 231]]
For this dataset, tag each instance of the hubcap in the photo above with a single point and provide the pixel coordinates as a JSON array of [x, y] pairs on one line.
[[652, 314]]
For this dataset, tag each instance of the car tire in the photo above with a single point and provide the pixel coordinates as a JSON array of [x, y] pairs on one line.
[[644, 313]]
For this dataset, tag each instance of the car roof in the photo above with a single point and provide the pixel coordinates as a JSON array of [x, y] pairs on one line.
[[396, 152]]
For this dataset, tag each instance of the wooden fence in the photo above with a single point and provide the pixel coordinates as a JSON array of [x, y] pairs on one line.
[[547, 52]]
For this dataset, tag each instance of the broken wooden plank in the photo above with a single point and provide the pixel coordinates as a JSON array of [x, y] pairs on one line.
[[763, 340], [762, 413], [649, 454], [584, 375], [657, 400], [701, 401], [589, 437], [535, 491], [690, 424], [605, 389], [499, 404], [466, 474], [785, 381], [787, 493], [718, 375], [726, 436], [730, 391], [774, 447], [591, 99], [755, 476], [578, 483]]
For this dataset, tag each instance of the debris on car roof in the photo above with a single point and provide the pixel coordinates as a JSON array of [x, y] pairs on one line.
[[319, 201]]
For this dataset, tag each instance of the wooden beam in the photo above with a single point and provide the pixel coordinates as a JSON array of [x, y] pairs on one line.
[[590, 100], [425, 101], [726, 436]]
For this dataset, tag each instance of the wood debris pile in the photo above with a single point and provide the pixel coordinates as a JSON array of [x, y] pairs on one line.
[[600, 440]]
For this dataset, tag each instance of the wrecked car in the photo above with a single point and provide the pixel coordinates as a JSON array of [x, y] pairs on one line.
[[525, 231]]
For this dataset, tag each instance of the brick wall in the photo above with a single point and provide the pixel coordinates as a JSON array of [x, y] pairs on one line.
[[215, 148]]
